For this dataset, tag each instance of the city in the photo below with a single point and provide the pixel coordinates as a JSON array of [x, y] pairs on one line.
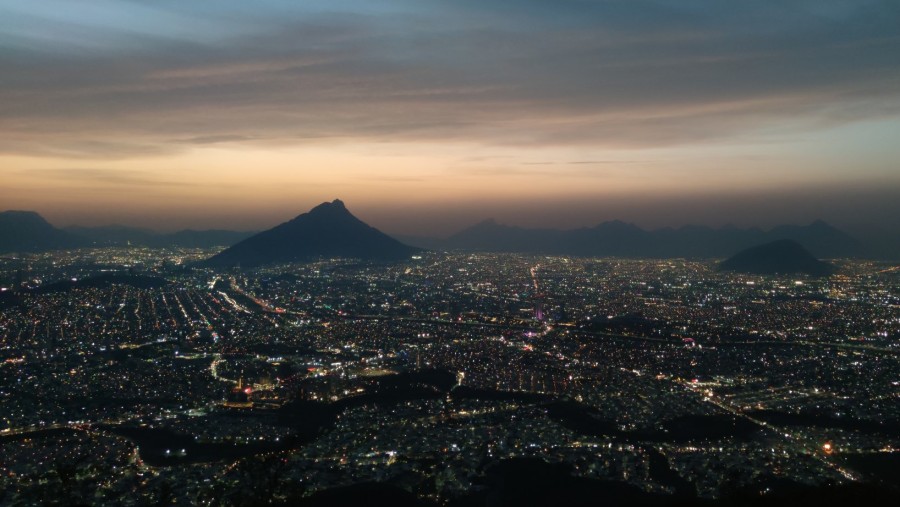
[[140, 376]]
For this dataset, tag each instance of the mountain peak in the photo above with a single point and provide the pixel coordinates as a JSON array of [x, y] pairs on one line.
[[328, 230], [19, 212], [27, 231], [21, 215], [783, 256], [334, 206]]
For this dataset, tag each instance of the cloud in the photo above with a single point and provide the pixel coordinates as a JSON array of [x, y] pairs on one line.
[[105, 177], [554, 172], [569, 73], [587, 162], [214, 139]]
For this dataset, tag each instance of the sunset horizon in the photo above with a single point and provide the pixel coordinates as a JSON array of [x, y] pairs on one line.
[[180, 115]]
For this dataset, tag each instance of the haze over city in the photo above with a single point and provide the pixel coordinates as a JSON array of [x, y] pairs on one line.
[[426, 117]]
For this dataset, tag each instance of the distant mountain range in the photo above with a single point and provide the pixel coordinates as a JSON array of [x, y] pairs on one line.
[[328, 230], [622, 239], [119, 235], [26, 231], [783, 257]]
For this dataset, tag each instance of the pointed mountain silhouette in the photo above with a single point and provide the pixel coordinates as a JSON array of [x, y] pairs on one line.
[[778, 257], [26, 231], [328, 230]]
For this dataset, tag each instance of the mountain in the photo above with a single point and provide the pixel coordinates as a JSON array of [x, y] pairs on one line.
[[120, 235], [26, 231], [778, 257], [819, 237], [328, 230], [190, 238], [617, 238], [489, 236], [423, 242], [881, 242], [113, 235]]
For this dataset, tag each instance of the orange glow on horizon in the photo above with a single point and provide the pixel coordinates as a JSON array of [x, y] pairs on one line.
[[253, 186]]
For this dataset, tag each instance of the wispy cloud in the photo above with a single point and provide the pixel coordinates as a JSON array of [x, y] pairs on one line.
[[587, 162], [522, 172], [103, 177], [215, 139], [610, 74]]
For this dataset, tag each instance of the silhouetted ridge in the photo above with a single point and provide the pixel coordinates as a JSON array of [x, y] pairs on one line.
[[778, 257], [26, 231], [121, 235], [622, 239], [327, 230], [335, 206]]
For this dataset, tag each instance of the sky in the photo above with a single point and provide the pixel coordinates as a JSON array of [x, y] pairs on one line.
[[426, 116]]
